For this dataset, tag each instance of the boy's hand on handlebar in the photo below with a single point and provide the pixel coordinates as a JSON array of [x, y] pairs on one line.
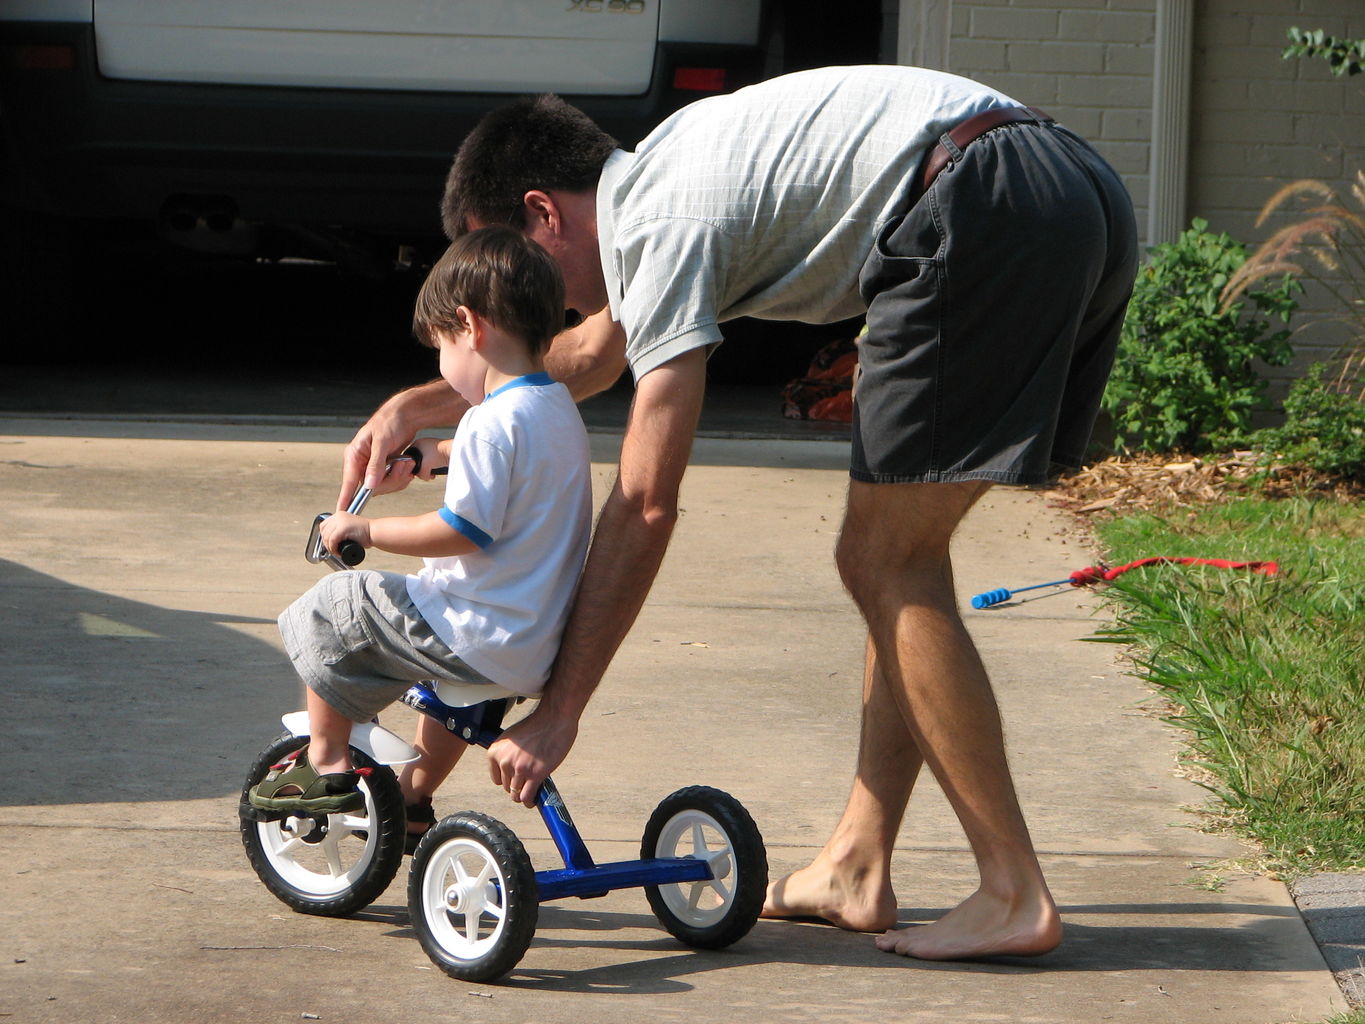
[[525, 755], [342, 526]]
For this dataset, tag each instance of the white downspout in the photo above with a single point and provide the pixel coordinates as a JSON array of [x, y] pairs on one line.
[[1169, 172]]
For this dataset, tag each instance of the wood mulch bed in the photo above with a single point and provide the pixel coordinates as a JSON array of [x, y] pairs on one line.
[[1165, 482]]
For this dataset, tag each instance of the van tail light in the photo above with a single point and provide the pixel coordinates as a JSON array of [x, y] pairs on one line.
[[699, 79], [36, 57]]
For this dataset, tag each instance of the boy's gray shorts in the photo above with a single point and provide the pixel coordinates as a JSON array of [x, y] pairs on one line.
[[358, 642]]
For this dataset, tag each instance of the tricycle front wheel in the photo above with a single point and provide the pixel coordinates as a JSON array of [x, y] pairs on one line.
[[327, 864]]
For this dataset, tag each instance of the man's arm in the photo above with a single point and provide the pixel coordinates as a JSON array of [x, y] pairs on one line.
[[588, 359], [390, 430], [632, 535]]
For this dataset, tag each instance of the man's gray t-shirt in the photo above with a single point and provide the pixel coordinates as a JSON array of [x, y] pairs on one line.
[[765, 202]]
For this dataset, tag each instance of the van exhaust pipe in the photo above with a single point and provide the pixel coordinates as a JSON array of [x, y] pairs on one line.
[[208, 224]]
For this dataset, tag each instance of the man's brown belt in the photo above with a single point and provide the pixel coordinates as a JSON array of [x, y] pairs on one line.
[[952, 142]]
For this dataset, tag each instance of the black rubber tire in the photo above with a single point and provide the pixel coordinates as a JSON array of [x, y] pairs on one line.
[[493, 851], [375, 836], [737, 895]]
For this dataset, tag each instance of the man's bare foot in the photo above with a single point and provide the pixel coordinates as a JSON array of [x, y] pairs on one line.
[[818, 892], [981, 926]]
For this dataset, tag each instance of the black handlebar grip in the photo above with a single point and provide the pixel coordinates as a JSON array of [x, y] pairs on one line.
[[415, 454], [351, 552]]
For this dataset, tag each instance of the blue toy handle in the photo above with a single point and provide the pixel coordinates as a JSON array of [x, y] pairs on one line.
[[991, 598], [1000, 595]]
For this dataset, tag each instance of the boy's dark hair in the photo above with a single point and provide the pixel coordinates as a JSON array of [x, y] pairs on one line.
[[536, 142], [499, 274]]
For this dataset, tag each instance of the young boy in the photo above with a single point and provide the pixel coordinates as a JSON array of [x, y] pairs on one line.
[[503, 554]]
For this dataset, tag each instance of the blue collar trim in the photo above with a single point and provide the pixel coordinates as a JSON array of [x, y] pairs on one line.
[[531, 380]]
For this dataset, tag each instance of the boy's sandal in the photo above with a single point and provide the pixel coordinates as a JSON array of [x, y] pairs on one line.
[[420, 813], [294, 787]]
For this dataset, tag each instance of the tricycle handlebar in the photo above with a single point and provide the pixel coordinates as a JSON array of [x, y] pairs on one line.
[[352, 553]]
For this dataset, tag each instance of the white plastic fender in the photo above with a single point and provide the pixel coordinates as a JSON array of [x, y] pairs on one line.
[[385, 747]]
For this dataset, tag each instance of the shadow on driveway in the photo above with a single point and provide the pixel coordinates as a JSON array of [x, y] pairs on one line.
[[109, 699]]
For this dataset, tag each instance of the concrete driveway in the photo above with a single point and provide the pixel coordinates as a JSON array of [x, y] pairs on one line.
[[141, 569]]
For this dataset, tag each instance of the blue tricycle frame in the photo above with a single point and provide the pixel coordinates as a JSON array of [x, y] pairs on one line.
[[580, 876]]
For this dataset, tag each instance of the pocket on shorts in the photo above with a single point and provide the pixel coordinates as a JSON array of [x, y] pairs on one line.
[[350, 631], [905, 248]]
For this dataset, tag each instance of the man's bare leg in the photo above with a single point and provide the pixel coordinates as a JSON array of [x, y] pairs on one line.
[[893, 555], [849, 882]]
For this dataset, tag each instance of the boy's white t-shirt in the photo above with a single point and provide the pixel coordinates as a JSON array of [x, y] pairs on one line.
[[520, 487]]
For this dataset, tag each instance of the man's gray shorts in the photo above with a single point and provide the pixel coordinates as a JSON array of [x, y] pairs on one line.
[[358, 642], [994, 309]]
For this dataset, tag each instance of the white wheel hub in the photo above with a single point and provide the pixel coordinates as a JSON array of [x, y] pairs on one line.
[[464, 898], [694, 833]]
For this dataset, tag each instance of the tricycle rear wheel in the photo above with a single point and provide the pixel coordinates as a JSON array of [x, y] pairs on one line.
[[711, 825], [472, 897]]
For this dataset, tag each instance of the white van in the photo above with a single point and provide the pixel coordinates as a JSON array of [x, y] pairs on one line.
[[261, 126]]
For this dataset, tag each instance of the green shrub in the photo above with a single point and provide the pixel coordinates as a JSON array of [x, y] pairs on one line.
[[1324, 428], [1185, 370]]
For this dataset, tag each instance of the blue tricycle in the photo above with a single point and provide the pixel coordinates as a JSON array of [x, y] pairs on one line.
[[473, 895]]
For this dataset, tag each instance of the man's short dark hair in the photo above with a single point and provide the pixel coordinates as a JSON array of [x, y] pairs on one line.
[[500, 274], [537, 142]]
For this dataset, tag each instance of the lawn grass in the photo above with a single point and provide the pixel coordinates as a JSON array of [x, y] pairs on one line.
[[1267, 675]]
